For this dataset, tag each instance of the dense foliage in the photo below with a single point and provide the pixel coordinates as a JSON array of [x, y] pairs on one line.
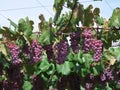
[[62, 55]]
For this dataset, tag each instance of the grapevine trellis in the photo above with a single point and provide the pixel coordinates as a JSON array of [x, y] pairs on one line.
[[62, 54]]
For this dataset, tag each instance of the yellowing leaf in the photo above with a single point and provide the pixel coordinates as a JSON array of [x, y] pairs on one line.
[[112, 60]]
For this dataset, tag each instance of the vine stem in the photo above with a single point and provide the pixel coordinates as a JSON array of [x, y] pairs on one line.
[[84, 27], [51, 76], [71, 14]]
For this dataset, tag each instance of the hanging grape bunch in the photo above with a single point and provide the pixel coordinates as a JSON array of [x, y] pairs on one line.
[[49, 51], [14, 78], [61, 51], [38, 83], [74, 39], [14, 51], [107, 74], [86, 37], [35, 51], [26, 50], [97, 48]]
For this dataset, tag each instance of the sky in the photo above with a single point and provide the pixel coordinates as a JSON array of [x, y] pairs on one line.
[[16, 9]]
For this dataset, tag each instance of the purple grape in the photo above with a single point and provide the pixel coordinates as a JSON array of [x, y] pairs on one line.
[[38, 83], [35, 52], [14, 51], [103, 77], [92, 76], [7, 85], [97, 48], [15, 77], [13, 72], [26, 50], [87, 37], [86, 45], [107, 74], [118, 82], [61, 51], [87, 34], [49, 51], [88, 86], [74, 39]]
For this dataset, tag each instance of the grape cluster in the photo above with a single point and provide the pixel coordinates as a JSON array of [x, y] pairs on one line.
[[35, 51], [74, 39], [88, 86], [49, 51], [97, 48], [38, 83], [118, 82], [14, 51], [107, 75], [15, 78], [87, 38], [26, 50], [61, 51], [92, 76], [7, 85]]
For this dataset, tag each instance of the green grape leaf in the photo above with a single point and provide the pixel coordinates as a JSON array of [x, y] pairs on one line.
[[99, 20], [70, 56], [27, 85], [54, 78], [115, 19], [95, 71], [115, 52], [88, 16], [83, 72], [64, 68], [51, 69], [87, 58], [25, 27], [44, 66], [45, 38], [108, 87], [13, 24], [81, 13], [3, 60]]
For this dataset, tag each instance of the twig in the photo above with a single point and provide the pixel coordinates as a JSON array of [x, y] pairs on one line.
[[51, 76], [71, 15]]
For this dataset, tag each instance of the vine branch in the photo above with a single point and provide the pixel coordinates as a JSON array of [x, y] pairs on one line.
[[71, 14]]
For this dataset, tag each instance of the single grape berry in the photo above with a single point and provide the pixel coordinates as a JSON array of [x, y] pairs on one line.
[[61, 51], [35, 52], [88, 86], [14, 51], [74, 40], [103, 77]]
